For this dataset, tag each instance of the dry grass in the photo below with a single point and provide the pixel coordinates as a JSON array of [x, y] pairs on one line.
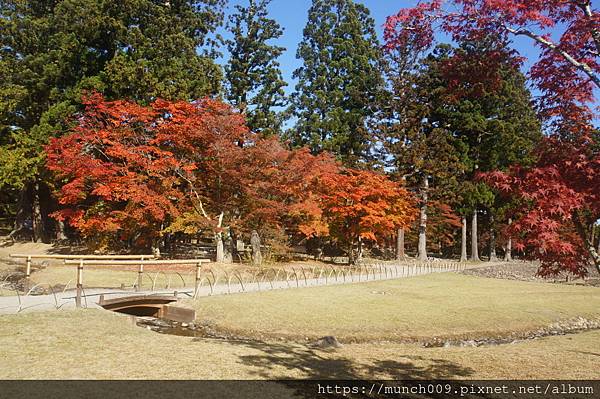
[[439, 305], [93, 344]]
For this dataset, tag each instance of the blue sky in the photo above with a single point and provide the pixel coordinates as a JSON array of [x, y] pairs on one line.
[[293, 14]]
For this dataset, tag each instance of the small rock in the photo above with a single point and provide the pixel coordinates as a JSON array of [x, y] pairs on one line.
[[327, 342]]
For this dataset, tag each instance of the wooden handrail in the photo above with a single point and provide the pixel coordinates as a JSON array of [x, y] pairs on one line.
[[42, 256], [111, 260], [138, 262]]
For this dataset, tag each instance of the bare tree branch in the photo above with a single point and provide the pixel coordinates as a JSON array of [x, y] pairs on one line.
[[586, 6], [582, 66], [199, 207]]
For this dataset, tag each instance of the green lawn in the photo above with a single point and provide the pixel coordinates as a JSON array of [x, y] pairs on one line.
[[94, 344], [440, 305]]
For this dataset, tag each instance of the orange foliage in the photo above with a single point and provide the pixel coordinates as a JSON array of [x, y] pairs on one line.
[[132, 172], [365, 205]]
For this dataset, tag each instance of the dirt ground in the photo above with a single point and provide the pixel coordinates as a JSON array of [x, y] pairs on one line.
[[95, 344]]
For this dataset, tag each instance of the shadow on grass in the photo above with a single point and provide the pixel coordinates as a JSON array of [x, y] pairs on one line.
[[275, 360], [281, 361]]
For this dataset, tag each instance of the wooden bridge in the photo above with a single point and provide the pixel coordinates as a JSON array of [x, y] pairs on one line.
[[149, 305]]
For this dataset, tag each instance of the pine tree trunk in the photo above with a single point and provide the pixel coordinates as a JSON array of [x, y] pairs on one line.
[[400, 253], [423, 221], [474, 246], [36, 215], [463, 241], [508, 251], [493, 255]]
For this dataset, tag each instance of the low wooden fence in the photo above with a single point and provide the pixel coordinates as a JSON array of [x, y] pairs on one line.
[[222, 279], [106, 260]]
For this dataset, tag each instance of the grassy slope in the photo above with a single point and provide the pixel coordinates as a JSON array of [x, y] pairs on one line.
[[92, 344], [440, 305]]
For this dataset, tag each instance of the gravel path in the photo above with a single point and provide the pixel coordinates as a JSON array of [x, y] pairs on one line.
[[66, 300]]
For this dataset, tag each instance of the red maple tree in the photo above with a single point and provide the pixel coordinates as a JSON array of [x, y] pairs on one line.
[[558, 195], [129, 172], [126, 171], [559, 204]]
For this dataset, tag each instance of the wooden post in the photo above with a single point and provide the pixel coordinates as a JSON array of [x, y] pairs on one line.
[[79, 283], [28, 274], [28, 268], [197, 287], [138, 285]]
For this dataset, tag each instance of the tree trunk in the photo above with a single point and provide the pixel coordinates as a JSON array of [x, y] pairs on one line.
[[60, 231], [227, 248], [156, 248], [255, 243], [400, 254], [594, 254], [359, 252], [36, 215], [493, 255], [423, 221], [219, 242], [463, 241], [474, 247], [19, 225], [235, 245], [508, 251], [351, 259]]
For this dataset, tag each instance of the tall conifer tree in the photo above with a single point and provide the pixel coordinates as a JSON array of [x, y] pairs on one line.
[[53, 51], [441, 129], [254, 81], [339, 81]]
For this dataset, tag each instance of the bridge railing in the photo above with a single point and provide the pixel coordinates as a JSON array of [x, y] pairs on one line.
[[30, 257], [140, 263]]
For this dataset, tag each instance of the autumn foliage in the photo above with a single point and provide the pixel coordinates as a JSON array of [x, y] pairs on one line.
[[132, 173], [558, 201], [129, 169], [364, 205], [557, 197]]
